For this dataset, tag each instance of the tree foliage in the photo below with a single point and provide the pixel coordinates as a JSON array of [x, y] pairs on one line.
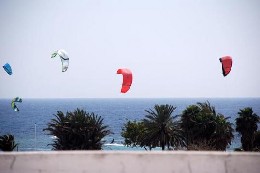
[[7, 143], [77, 130], [204, 127], [246, 125], [133, 132], [162, 129], [158, 129], [257, 141]]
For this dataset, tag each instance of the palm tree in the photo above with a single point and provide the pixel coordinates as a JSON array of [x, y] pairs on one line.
[[220, 130], [161, 128], [246, 125], [206, 124], [188, 123], [205, 129], [77, 130], [7, 143], [223, 133], [197, 122]]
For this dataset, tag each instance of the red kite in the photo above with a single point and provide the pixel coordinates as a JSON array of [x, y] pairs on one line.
[[226, 64], [127, 79]]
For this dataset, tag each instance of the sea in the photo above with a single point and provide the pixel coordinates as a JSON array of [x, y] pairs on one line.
[[27, 125]]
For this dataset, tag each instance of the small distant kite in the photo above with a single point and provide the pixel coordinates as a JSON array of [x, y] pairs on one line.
[[16, 99], [8, 69], [226, 64], [127, 79], [63, 57]]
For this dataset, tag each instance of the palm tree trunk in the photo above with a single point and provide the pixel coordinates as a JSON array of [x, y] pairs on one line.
[[163, 143], [163, 147]]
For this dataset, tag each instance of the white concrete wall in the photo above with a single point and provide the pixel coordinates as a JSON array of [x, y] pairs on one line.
[[129, 162]]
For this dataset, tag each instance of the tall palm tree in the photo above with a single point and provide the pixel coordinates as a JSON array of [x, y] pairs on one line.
[[77, 130], [161, 127], [246, 125], [7, 143]]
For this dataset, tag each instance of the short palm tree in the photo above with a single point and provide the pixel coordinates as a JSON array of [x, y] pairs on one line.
[[77, 130], [161, 128], [7, 143], [246, 125], [188, 122], [223, 133], [206, 129]]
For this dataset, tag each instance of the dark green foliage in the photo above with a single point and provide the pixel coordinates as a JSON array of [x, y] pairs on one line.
[[7, 143], [257, 140], [205, 128], [158, 129], [77, 130], [133, 132], [246, 125], [223, 133], [188, 124], [161, 127]]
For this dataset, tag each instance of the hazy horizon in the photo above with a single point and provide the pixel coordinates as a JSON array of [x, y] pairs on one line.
[[136, 98]]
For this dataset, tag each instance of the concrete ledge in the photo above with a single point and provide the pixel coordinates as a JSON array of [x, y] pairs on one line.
[[129, 162]]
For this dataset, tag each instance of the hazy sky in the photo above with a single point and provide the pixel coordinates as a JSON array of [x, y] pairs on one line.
[[172, 47]]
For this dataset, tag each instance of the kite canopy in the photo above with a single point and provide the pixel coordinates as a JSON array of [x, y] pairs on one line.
[[63, 57], [226, 64], [16, 99], [8, 69], [127, 79]]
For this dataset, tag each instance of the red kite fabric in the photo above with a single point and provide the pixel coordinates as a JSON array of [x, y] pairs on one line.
[[127, 79], [226, 64]]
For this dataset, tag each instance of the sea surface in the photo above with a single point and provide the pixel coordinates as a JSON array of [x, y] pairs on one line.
[[27, 125]]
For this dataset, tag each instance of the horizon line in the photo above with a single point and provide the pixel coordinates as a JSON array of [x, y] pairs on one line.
[[134, 98]]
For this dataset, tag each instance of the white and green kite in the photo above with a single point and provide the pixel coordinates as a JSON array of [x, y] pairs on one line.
[[63, 57], [16, 99]]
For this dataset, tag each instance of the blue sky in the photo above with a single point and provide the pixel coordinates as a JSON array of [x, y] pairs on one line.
[[172, 47]]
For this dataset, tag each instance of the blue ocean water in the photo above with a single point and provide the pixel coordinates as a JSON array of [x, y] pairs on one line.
[[27, 125]]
